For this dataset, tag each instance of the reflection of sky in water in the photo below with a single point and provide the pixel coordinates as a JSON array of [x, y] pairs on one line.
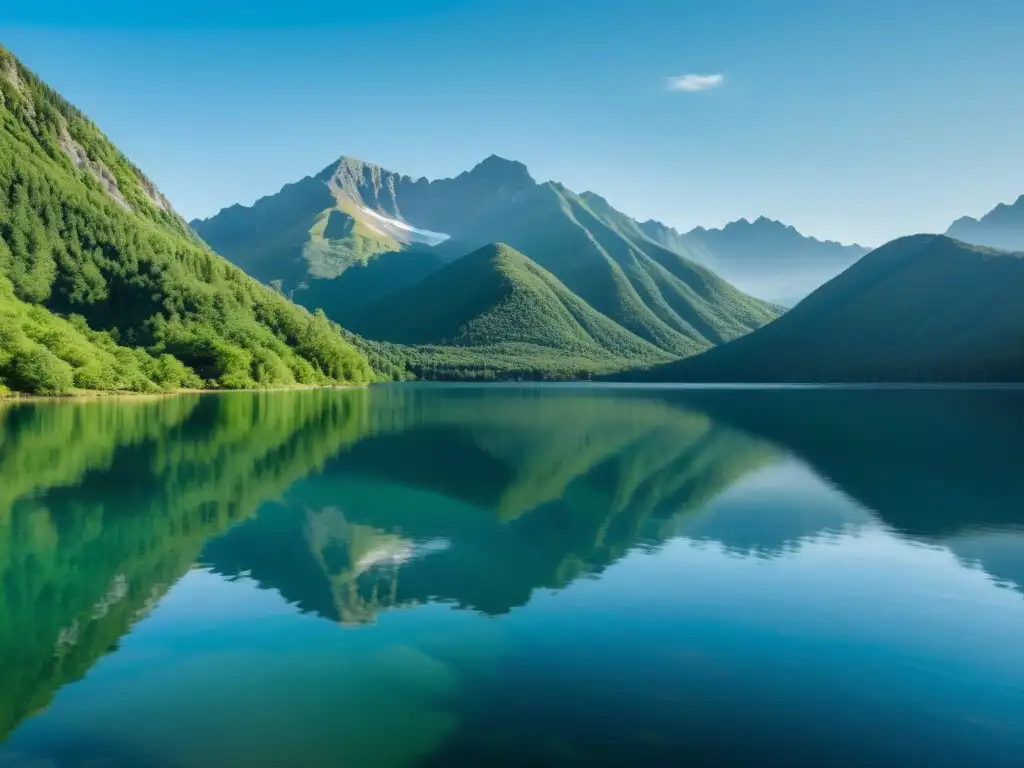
[[225, 671], [658, 583], [773, 510], [780, 590]]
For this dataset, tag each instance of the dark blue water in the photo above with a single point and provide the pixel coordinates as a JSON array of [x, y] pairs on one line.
[[446, 575]]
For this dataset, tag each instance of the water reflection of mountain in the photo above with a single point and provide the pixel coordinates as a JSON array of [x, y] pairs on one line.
[[104, 505], [481, 499], [938, 465], [776, 512], [930, 462], [474, 496]]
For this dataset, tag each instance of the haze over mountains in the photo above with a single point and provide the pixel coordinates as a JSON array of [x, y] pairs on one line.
[[1002, 227], [763, 257]]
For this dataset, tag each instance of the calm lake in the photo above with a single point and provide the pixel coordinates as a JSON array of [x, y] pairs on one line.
[[431, 575]]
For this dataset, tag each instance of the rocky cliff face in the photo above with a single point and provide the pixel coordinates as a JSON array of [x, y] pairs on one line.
[[441, 205]]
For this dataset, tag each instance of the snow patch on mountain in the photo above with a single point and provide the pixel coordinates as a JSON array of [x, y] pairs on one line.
[[411, 233]]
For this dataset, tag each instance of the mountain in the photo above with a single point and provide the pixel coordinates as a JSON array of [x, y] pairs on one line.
[[764, 257], [343, 237], [103, 285], [1002, 227], [921, 308], [401, 229], [498, 302]]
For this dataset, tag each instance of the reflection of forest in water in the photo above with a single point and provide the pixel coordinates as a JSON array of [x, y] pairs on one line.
[[474, 496]]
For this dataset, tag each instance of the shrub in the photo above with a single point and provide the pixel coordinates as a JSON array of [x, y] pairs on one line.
[[36, 370]]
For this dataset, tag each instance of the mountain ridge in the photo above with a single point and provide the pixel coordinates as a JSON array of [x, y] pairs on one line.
[[920, 308], [597, 253], [764, 257], [1001, 227]]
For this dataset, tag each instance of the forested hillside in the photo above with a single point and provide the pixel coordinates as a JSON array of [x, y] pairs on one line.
[[924, 308], [497, 310], [103, 286]]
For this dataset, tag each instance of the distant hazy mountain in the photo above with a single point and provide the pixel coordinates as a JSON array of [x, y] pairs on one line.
[[921, 308], [765, 258], [1002, 227], [356, 224]]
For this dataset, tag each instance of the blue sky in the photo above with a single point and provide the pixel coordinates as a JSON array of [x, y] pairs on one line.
[[857, 121]]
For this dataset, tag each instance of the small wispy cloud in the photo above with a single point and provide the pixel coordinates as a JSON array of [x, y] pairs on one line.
[[693, 83]]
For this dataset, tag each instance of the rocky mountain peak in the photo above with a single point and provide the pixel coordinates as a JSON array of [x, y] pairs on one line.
[[502, 171]]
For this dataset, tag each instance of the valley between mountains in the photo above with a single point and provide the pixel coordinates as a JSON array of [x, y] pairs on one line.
[[358, 274]]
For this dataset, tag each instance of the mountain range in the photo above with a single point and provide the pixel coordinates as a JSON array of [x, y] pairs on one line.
[[763, 257], [352, 234], [487, 275], [582, 289]]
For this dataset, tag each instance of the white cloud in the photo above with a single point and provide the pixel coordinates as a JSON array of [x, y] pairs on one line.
[[692, 83]]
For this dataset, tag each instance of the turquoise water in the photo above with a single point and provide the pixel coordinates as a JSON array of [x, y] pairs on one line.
[[536, 575]]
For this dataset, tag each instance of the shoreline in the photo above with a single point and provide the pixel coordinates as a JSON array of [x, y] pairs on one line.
[[98, 394], [88, 394]]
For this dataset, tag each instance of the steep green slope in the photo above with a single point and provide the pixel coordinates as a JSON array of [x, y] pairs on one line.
[[921, 308], [498, 301], [1002, 227], [43, 353], [83, 233], [599, 253]]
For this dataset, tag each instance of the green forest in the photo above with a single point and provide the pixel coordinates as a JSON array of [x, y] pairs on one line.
[[103, 286], [495, 314]]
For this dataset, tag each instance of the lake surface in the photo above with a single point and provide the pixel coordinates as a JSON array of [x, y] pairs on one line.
[[514, 575]]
